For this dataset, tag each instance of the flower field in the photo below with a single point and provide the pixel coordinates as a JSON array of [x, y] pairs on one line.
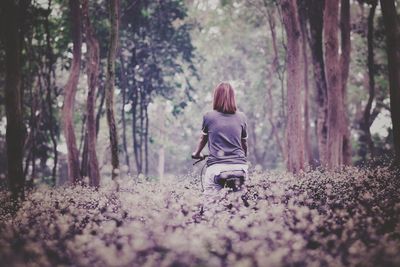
[[345, 218]]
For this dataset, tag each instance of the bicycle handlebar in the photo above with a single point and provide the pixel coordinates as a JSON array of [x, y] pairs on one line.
[[199, 159]]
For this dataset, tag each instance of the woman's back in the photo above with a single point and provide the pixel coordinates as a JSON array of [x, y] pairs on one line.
[[225, 132]]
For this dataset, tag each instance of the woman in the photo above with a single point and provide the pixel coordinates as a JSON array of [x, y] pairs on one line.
[[225, 130]]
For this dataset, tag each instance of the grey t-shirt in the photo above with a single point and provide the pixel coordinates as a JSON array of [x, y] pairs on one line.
[[225, 132]]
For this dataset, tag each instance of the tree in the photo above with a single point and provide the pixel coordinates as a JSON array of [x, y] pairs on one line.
[[110, 81], [333, 78], [70, 92], [12, 39], [344, 67], [316, 22], [365, 140], [302, 6], [155, 48], [392, 27], [92, 68], [295, 84]]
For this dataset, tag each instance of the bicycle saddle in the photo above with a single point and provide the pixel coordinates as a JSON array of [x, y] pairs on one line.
[[232, 179]]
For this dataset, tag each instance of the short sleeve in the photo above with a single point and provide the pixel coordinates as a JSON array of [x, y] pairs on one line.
[[244, 128], [204, 128]]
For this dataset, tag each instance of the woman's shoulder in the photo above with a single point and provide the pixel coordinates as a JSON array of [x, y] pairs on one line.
[[241, 115], [210, 113]]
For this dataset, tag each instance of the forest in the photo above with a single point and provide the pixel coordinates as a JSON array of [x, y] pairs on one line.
[[101, 107]]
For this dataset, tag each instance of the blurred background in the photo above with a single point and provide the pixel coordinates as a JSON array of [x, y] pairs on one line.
[[170, 56]]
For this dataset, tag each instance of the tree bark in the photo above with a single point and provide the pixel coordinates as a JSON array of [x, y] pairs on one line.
[[391, 22], [365, 140], [50, 63], [15, 128], [344, 66], [70, 92], [276, 63], [303, 26], [146, 139], [333, 78], [110, 81], [315, 18], [141, 117], [124, 88], [162, 140], [270, 106], [295, 84], [92, 68], [102, 96]]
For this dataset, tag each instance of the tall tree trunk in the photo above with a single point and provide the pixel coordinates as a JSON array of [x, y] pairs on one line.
[[146, 139], [276, 68], [344, 66], [70, 92], [134, 102], [303, 26], [274, 128], [294, 130], [141, 117], [315, 18], [276, 63], [15, 128], [391, 22], [365, 139], [110, 80], [134, 130], [124, 88], [162, 138], [50, 63], [333, 78], [84, 154], [102, 95], [92, 65]]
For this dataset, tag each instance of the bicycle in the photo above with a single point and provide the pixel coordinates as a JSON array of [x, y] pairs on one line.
[[233, 179], [199, 159]]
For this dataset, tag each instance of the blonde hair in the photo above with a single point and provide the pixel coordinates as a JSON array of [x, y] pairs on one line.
[[224, 98]]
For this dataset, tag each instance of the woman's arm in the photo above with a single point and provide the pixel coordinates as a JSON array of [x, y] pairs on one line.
[[244, 146], [202, 143]]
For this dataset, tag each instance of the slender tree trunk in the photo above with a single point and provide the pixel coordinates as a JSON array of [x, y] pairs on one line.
[[124, 90], [134, 102], [134, 130], [70, 92], [303, 26], [141, 114], [15, 128], [344, 66], [276, 63], [50, 63], [315, 18], [391, 22], [146, 139], [84, 154], [276, 67], [100, 109], [92, 62], [294, 130], [161, 150], [34, 94], [365, 139], [333, 78], [274, 128], [110, 81]]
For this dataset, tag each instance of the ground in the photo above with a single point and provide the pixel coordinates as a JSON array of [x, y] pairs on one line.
[[338, 218]]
